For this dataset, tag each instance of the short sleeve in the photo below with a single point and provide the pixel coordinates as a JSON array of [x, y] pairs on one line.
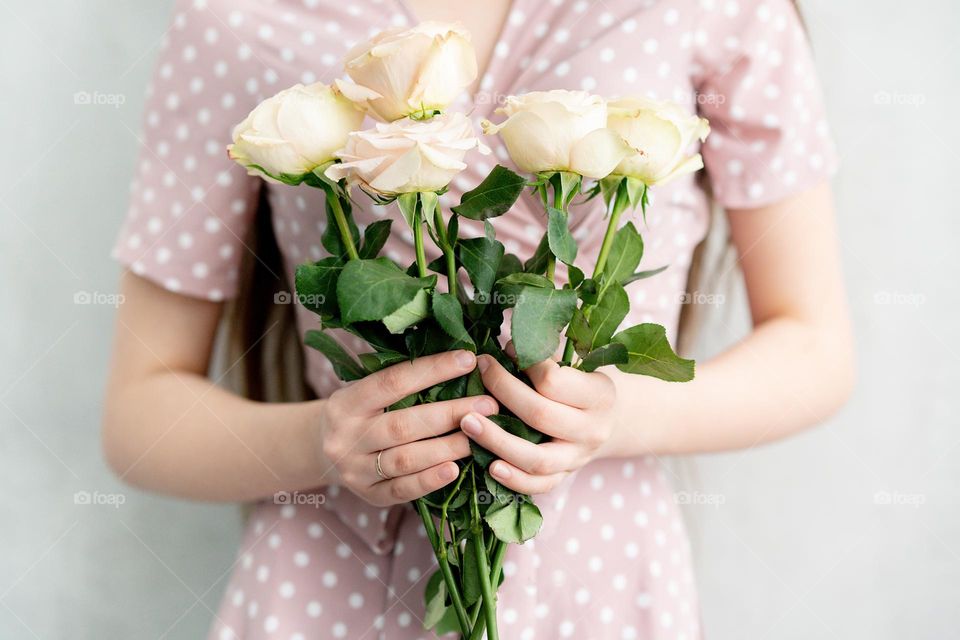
[[759, 89], [190, 206]]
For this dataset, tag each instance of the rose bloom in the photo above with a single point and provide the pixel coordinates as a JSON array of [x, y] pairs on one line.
[[295, 131], [559, 131], [660, 134], [405, 71], [407, 155]]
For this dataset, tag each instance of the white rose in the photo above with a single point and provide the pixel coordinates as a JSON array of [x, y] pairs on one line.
[[405, 71], [559, 131], [660, 134], [295, 131], [407, 155]]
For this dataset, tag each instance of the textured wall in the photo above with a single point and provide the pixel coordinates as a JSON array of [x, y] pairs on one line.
[[849, 531]]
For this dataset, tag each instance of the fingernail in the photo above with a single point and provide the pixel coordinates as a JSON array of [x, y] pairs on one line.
[[471, 425], [500, 470], [448, 472], [486, 406], [483, 362], [465, 359]]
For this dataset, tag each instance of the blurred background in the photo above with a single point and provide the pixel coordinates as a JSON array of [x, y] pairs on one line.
[[848, 531]]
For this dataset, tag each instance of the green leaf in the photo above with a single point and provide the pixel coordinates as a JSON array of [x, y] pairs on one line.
[[609, 187], [449, 315], [372, 289], [514, 522], [575, 276], [650, 354], [409, 314], [481, 258], [613, 353], [510, 287], [376, 360], [559, 239], [537, 263], [344, 366], [625, 254], [471, 577], [316, 285], [374, 237], [594, 326], [408, 206], [435, 596], [492, 197], [539, 316], [641, 275]]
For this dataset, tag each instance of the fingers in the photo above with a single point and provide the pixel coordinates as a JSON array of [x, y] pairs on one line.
[[570, 386], [418, 456], [396, 428], [538, 459], [379, 390], [548, 416], [523, 482], [413, 486]]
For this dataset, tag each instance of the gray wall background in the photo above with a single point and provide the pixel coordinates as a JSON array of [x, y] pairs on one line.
[[848, 531]]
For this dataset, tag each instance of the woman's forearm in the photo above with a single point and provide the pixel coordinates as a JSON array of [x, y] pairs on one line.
[[178, 433], [785, 376]]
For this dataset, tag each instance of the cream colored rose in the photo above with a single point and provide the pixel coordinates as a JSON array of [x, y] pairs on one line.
[[660, 134], [559, 131], [407, 155], [295, 131], [406, 71]]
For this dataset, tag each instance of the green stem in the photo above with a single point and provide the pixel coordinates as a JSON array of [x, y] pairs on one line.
[[488, 595], [342, 225], [447, 249], [440, 551], [418, 242]]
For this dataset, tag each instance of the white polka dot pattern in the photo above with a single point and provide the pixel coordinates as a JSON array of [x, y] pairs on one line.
[[612, 560]]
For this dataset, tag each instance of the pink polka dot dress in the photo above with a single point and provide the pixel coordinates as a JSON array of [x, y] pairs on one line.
[[612, 559]]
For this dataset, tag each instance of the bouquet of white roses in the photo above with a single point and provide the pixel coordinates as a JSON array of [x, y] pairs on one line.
[[572, 144]]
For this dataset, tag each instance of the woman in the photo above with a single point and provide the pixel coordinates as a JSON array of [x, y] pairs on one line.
[[612, 560]]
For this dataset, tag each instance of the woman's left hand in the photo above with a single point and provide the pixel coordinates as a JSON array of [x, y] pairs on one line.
[[575, 408]]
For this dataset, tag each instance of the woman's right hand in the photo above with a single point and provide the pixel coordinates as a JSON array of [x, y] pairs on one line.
[[418, 449]]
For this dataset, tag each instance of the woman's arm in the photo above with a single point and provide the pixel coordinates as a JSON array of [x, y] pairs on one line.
[[793, 370], [169, 429]]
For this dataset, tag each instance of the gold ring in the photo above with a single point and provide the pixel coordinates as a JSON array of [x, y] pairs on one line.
[[380, 469]]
